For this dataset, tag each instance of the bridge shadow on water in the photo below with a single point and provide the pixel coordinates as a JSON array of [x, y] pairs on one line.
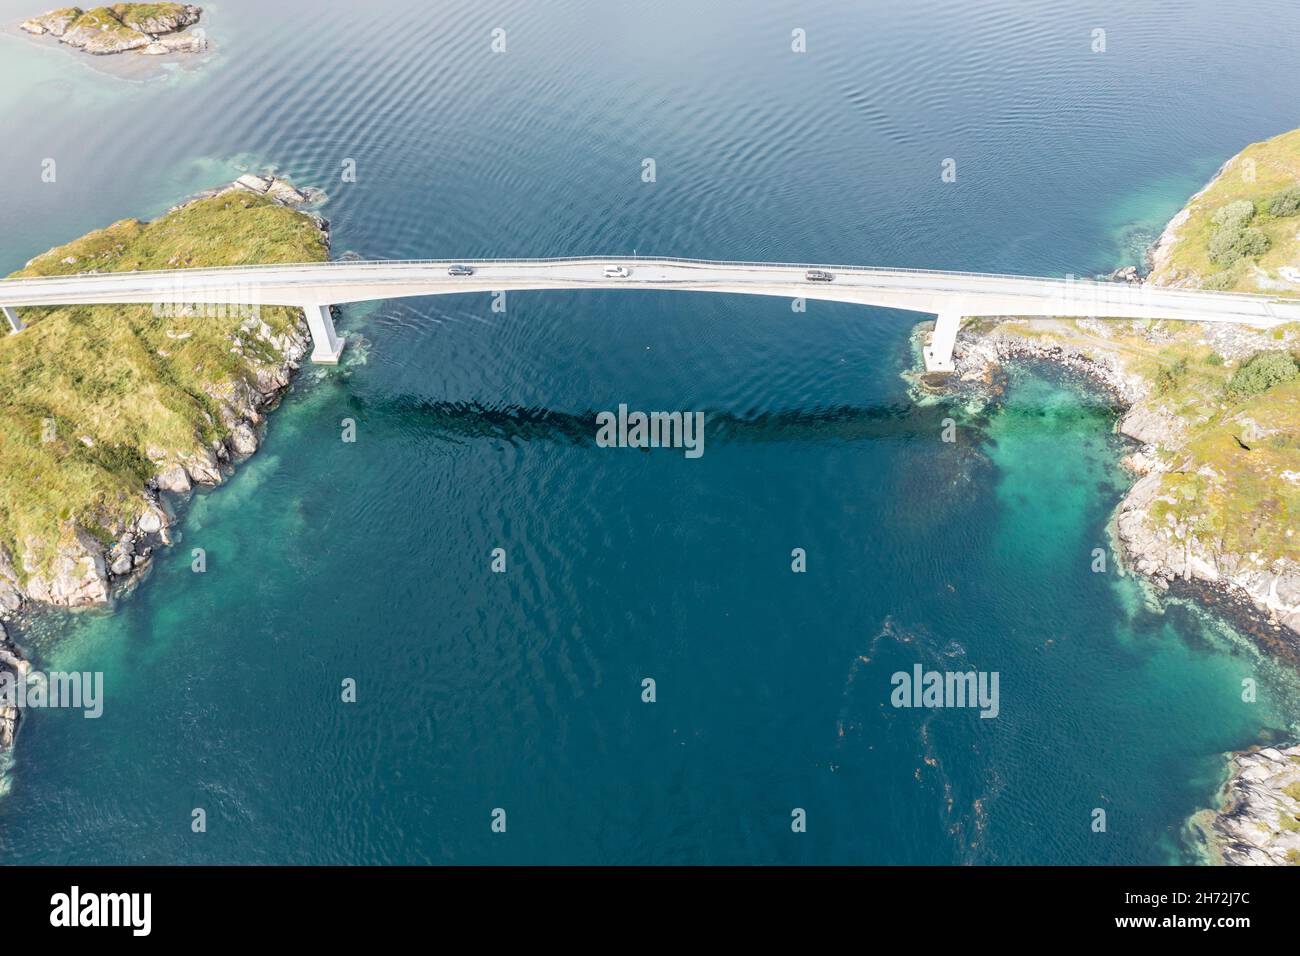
[[957, 474], [465, 421]]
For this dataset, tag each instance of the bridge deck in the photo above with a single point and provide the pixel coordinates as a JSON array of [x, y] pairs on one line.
[[313, 285]]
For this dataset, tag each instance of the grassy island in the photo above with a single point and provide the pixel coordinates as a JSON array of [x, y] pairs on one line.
[[95, 401]]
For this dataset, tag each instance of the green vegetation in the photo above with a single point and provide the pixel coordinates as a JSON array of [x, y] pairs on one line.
[[103, 25], [1285, 203], [120, 387], [1242, 435], [1169, 377], [1236, 242], [1234, 215], [1221, 281], [133, 12], [1261, 372], [1238, 231], [1233, 237]]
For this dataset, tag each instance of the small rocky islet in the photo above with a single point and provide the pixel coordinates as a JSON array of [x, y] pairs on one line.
[[152, 29]]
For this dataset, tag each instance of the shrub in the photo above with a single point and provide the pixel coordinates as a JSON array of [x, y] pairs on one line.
[[1233, 214], [1233, 242], [1285, 203], [1220, 281], [1170, 376], [1214, 358], [1261, 372]]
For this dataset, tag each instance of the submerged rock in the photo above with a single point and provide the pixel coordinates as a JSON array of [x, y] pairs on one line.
[[10, 663]]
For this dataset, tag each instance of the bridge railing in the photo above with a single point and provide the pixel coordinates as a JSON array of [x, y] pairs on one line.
[[362, 263], [556, 260]]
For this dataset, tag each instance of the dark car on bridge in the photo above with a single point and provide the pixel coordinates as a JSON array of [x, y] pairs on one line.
[[818, 275]]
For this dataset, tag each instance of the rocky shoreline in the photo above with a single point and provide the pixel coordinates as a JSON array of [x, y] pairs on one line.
[[1258, 823], [1258, 820], [151, 29], [89, 572], [1165, 552]]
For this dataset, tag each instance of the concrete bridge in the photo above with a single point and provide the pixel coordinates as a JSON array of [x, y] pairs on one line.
[[949, 296]]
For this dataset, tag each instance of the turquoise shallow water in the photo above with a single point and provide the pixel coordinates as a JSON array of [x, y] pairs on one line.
[[475, 431]]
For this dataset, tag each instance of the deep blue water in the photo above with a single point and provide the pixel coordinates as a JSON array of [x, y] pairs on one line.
[[522, 691]]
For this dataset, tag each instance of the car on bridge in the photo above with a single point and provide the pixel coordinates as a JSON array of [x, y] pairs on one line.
[[460, 271], [617, 272], [818, 275]]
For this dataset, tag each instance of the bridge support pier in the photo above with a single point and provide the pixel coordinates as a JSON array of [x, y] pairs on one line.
[[326, 345], [938, 354], [15, 323]]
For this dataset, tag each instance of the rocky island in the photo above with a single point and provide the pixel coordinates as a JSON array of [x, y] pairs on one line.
[[1214, 415], [106, 408], [153, 29]]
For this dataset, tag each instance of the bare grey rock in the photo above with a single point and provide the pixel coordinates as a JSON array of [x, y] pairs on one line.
[[1258, 820], [243, 440], [151, 521], [1151, 424], [77, 575], [284, 192], [55, 23], [173, 479], [181, 43], [202, 467], [11, 593], [254, 183], [121, 554]]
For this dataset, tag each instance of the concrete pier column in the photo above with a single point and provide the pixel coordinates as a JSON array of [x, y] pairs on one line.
[[15, 323], [326, 345], [938, 354]]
